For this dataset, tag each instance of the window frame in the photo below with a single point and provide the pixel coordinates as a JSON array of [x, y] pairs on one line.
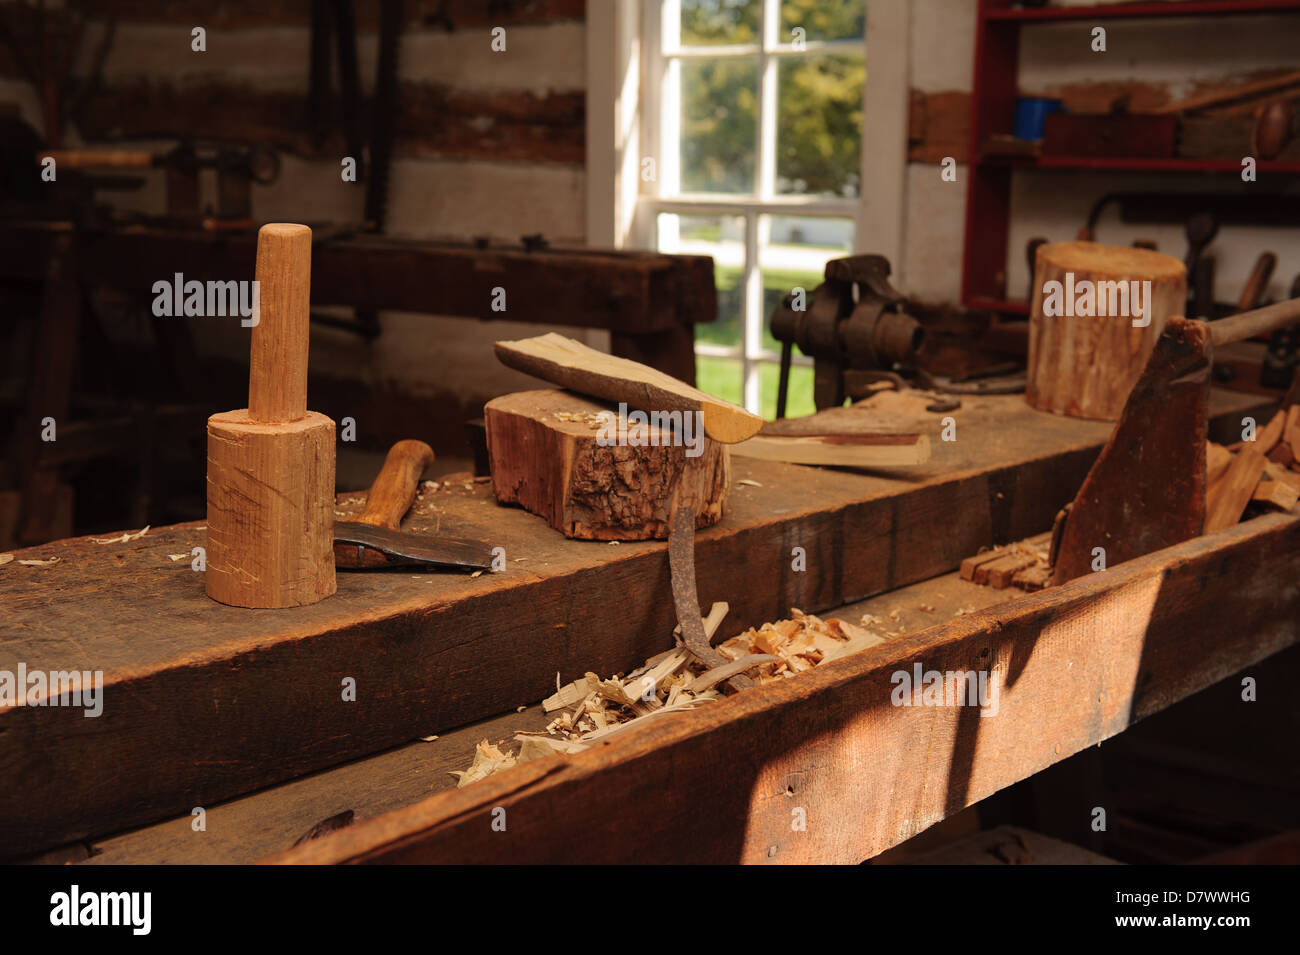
[[630, 110]]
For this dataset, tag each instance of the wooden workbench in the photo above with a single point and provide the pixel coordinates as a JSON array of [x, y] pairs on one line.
[[205, 702]]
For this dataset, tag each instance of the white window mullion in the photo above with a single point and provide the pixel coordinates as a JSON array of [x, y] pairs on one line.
[[751, 329]]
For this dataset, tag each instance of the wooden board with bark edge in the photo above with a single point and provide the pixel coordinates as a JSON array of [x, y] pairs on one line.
[[575, 366], [1076, 664], [253, 697]]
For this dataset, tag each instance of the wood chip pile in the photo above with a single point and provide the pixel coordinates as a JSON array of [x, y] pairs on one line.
[[591, 709], [1265, 472]]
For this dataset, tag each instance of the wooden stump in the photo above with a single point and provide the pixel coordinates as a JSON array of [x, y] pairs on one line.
[[1085, 356], [546, 454]]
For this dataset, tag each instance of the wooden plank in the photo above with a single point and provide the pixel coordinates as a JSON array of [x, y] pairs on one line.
[[263, 823], [580, 368], [1073, 664], [432, 120], [254, 697], [632, 292], [417, 14], [839, 450]]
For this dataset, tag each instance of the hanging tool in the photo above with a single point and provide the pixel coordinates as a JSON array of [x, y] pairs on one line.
[[374, 540], [334, 19], [1283, 355], [1257, 284], [1201, 229], [1147, 489]]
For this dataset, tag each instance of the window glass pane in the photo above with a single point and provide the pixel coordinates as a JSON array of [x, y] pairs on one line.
[[720, 377], [718, 130], [723, 237], [799, 399], [796, 255], [819, 124], [822, 19], [718, 22]]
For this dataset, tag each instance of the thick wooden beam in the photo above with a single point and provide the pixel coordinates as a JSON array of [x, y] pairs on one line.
[[432, 120], [731, 782], [635, 293], [254, 697]]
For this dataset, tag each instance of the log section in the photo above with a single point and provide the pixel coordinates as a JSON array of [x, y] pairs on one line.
[[1083, 357], [546, 454]]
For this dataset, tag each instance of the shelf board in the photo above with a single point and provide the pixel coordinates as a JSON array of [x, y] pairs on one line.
[[1148, 164], [1115, 11], [998, 305]]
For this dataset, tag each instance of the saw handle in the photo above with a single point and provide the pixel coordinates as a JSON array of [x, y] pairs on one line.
[[1261, 321], [391, 495]]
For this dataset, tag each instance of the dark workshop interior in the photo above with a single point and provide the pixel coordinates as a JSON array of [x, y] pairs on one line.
[[796, 431]]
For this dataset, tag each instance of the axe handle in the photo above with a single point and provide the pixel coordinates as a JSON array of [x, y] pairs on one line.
[[1238, 328], [391, 495]]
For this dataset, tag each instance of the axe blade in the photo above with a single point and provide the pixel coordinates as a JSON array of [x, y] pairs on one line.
[[352, 539], [1146, 490]]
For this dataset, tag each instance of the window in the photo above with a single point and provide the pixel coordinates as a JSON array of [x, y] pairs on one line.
[[752, 113]]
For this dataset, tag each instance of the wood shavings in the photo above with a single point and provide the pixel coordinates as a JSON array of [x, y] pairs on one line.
[[674, 681], [477, 573], [175, 557], [487, 760], [746, 482], [5, 558], [40, 563], [427, 739], [124, 538]]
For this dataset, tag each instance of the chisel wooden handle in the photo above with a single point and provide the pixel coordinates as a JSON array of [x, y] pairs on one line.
[[1261, 321], [1254, 288], [391, 495]]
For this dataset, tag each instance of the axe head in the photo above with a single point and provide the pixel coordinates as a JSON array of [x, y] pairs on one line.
[[360, 546], [1147, 488]]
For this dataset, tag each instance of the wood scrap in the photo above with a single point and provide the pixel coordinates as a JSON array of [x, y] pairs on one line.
[[573, 365], [1217, 459], [1227, 497], [1024, 564], [852, 450], [1279, 494]]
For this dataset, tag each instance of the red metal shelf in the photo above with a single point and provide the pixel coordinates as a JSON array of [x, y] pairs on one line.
[[993, 100], [999, 305], [1115, 11], [1172, 164]]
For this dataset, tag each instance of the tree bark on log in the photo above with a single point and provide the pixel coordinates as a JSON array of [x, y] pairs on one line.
[[1085, 352]]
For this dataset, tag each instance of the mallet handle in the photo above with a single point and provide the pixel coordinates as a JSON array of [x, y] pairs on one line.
[[1238, 328], [277, 377]]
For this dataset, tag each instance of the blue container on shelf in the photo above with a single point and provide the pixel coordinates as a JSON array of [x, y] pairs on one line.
[[1032, 112]]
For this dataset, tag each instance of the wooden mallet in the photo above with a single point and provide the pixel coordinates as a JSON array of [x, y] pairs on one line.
[[271, 465]]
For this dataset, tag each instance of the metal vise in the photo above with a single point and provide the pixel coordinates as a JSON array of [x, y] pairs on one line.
[[852, 339]]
